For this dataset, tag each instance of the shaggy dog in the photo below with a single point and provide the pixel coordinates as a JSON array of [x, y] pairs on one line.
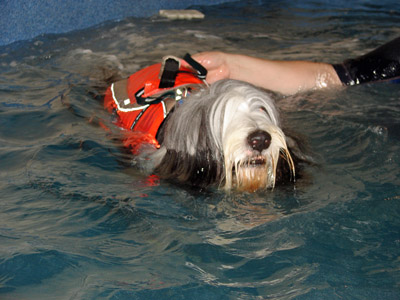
[[227, 134]]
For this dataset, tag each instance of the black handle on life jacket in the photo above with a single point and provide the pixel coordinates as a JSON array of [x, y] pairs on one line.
[[171, 68], [169, 72], [201, 71]]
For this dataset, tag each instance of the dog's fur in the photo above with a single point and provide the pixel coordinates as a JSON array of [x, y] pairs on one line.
[[229, 134]]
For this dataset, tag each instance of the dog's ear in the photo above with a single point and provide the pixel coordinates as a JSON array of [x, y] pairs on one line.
[[301, 155], [298, 147]]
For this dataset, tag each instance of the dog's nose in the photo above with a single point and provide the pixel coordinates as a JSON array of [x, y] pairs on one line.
[[259, 140]]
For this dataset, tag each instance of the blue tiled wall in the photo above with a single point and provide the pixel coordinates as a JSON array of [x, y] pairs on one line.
[[25, 19]]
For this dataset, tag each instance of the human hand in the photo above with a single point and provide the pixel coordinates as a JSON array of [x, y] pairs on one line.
[[216, 64]]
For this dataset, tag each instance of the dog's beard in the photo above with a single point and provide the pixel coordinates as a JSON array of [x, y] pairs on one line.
[[248, 169], [206, 139]]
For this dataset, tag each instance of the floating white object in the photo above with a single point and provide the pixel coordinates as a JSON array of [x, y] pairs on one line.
[[181, 14]]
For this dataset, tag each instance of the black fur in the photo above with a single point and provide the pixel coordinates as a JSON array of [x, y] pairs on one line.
[[202, 169]]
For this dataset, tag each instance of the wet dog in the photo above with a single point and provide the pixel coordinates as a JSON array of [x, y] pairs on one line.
[[228, 134]]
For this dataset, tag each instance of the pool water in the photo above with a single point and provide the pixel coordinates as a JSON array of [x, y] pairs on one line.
[[77, 223]]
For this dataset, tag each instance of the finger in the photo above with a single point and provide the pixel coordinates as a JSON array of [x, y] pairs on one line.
[[208, 59]]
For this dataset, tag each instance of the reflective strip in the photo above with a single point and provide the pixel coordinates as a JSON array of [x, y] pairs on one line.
[[125, 109], [164, 109]]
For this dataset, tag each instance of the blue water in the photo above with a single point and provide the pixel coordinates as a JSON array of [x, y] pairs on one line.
[[77, 223]]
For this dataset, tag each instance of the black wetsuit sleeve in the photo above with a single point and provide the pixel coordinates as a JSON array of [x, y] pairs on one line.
[[380, 64]]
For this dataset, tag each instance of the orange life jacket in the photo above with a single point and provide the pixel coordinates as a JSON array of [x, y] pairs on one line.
[[142, 101]]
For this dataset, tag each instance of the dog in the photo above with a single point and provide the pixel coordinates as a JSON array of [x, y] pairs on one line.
[[228, 134]]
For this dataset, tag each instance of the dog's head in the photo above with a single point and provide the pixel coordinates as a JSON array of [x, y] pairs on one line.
[[228, 134]]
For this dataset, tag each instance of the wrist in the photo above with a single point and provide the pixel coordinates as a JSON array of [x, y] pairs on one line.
[[233, 65]]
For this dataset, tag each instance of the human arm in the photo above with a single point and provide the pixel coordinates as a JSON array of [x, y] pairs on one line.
[[286, 77], [290, 77]]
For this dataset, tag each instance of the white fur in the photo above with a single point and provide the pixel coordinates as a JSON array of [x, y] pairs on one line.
[[215, 123]]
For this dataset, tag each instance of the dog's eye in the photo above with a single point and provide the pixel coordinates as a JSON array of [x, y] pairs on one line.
[[262, 108]]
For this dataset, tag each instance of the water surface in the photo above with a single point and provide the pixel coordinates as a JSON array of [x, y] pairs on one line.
[[76, 223]]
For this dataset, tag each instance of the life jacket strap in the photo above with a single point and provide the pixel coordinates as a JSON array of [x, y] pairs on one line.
[[201, 71], [169, 71], [146, 100], [170, 68]]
